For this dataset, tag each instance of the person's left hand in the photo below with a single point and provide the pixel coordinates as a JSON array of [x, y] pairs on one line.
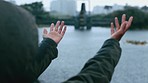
[[120, 30], [56, 33]]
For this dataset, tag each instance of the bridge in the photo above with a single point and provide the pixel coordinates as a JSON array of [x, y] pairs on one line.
[[84, 20]]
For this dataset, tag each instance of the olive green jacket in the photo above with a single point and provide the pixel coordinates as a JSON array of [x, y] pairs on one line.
[[46, 53], [100, 68]]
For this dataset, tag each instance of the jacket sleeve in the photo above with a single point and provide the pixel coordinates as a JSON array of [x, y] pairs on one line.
[[100, 68], [46, 53]]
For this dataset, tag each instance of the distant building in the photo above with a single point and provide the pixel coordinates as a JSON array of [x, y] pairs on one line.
[[106, 9], [11, 1], [63, 7]]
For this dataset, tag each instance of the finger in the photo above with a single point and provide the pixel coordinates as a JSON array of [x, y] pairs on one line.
[[123, 26], [57, 25], [123, 18], [63, 32], [129, 22], [61, 27], [117, 23], [45, 31], [51, 26], [112, 28]]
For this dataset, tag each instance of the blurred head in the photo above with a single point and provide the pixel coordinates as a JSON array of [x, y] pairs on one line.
[[18, 43]]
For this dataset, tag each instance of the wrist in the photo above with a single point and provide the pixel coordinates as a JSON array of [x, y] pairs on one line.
[[50, 41]]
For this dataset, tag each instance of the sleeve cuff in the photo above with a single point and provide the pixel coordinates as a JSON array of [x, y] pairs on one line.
[[50, 42], [112, 41]]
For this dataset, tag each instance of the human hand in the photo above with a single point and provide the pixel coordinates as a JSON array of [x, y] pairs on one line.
[[120, 30], [56, 33]]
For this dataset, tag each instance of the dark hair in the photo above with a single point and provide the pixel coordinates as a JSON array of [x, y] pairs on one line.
[[18, 43]]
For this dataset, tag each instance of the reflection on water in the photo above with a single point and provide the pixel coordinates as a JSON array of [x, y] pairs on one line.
[[78, 46]]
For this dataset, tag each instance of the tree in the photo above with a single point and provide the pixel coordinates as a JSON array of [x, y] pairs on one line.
[[140, 17], [37, 10]]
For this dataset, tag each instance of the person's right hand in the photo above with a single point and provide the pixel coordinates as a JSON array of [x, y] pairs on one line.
[[120, 30]]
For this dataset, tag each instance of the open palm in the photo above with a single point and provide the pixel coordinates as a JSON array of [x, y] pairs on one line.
[[56, 32], [120, 30]]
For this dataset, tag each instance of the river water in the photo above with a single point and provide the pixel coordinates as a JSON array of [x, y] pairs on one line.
[[78, 46]]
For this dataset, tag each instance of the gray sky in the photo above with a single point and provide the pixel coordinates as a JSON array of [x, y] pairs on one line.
[[92, 2]]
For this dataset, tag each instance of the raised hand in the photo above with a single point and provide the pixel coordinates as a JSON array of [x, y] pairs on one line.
[[120, 30], [56, 32]]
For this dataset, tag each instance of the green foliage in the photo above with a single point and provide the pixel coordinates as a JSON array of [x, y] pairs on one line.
[[140, 17], [44, 18], [36, 9]]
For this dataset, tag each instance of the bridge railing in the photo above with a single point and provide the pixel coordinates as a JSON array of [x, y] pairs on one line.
[[100, 22]]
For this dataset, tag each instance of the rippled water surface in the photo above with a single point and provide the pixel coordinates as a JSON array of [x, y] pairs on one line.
[[78, 46]]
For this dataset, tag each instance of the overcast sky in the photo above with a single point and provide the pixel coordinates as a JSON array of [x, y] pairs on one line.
[[92, 2]]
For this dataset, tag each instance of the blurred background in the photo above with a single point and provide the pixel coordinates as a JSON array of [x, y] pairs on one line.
[[88, 26], [95, 12]]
